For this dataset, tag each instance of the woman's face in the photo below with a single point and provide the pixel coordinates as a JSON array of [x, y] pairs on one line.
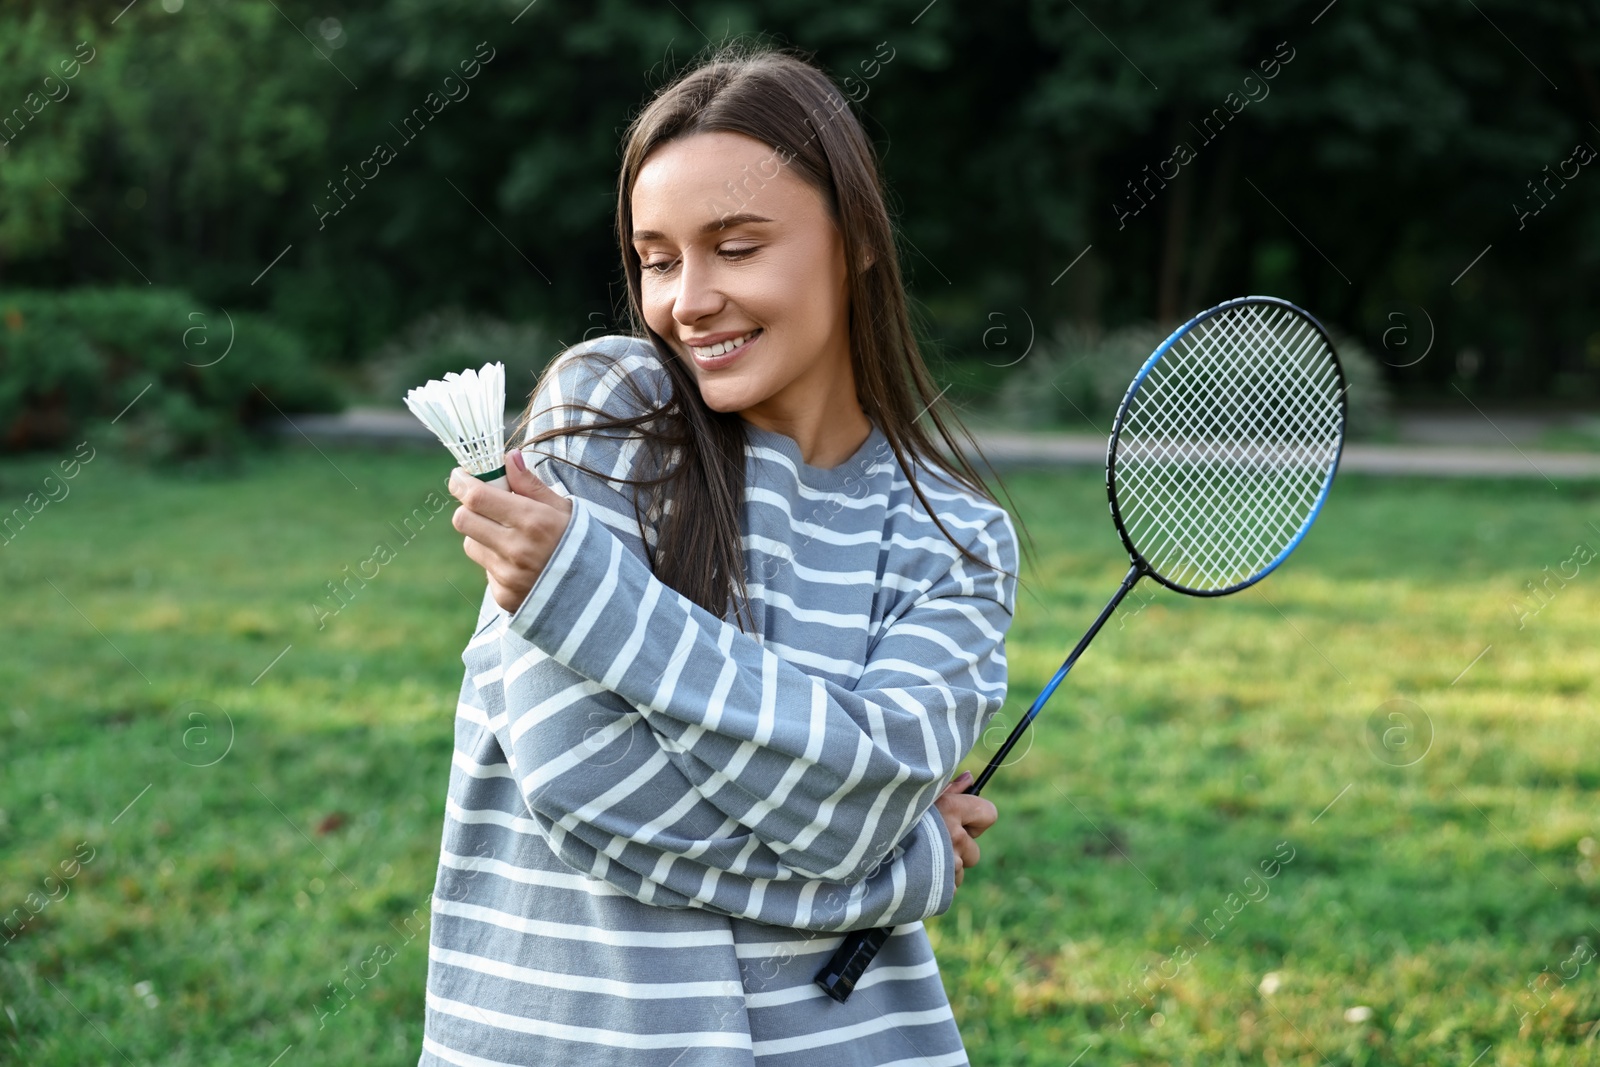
[[731, 242]]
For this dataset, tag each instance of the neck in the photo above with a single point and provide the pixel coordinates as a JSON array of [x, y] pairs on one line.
[[826, 436]]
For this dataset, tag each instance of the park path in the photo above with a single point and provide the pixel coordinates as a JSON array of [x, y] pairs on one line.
[[1438, 446], [1448, 461]]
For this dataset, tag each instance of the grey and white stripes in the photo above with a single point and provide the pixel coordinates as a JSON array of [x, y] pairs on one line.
[[658, 825]]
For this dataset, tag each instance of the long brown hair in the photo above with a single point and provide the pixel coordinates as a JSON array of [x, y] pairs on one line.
[[778, 97]]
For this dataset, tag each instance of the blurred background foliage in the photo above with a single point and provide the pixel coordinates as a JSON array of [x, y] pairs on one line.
[[79, 362], [198, 146]]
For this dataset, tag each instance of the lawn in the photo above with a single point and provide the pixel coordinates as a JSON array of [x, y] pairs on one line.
[[1346, 817]]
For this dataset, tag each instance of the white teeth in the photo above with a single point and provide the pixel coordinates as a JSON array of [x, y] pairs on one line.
[[722, 348]]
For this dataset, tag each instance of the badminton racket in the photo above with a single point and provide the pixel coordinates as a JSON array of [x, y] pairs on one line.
[[1221, 456]]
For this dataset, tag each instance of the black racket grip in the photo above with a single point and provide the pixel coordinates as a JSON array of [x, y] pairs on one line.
[[842, 972]]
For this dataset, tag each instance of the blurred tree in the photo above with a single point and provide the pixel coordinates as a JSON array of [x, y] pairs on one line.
[[1391, 145]]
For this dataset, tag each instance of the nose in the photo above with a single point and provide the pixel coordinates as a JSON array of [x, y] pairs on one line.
[[697, 294]]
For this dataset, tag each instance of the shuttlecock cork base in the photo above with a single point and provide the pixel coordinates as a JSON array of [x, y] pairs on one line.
[[467, 412]]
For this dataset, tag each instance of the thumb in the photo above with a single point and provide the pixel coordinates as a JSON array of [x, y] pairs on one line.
[[524, 482]]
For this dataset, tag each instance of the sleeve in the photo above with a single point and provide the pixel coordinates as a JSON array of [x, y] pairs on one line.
[[604, 786], [829, 778], [611, 804]]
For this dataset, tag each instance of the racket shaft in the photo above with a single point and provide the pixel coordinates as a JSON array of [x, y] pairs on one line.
[[839, 976], [1135, 572]]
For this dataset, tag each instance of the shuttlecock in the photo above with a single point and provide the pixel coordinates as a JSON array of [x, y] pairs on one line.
[[467, 411]]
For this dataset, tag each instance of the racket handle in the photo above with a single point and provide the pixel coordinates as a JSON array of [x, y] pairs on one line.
[[839, 977]]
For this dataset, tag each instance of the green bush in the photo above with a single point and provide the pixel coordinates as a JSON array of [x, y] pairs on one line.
[[72, 362], [1076, 378]]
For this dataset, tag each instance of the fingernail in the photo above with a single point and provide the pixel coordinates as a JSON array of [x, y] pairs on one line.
[[516, 457]]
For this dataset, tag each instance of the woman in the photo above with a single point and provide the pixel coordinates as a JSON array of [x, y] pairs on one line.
[[742, 623]]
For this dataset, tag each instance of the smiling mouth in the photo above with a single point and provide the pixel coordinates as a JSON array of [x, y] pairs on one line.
[[722, 347], [711, 357]]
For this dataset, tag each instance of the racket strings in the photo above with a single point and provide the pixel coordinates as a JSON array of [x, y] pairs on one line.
[[1228, 526], [1210, 529], [1219, 526], [1227, 445], [1212, 533]]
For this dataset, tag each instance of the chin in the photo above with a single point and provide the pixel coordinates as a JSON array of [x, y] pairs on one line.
[[727, 396], [722, 400]]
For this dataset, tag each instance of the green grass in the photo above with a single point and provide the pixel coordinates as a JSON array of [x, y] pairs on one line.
[[1194, 739]]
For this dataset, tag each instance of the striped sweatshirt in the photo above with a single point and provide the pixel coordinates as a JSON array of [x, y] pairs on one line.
[[659, 826]]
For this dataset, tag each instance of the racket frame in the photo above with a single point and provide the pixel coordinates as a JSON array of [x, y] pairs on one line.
[[1121, 420]]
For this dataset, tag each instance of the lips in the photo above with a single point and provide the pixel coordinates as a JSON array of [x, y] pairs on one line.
[[725, 355], [725, 345]]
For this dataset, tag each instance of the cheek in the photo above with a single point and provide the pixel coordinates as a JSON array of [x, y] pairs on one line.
[[657, 308], [795, 293], [821, 289]]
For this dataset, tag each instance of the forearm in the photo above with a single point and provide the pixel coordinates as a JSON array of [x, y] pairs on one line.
[[610, 803], [916, 881]]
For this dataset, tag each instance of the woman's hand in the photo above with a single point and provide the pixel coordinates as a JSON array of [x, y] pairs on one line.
[[966, 817], [510, 535]]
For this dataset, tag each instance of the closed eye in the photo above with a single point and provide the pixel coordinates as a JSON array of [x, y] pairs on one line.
[[665, 265]]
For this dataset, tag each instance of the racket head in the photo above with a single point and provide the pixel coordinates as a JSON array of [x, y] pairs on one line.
[[1225, 445]]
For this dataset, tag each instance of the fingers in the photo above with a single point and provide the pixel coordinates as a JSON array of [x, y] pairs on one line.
[[479, 555], [965, 817], [502, 549], [520, 529], [482, 508], [966, 850], [476, 526], [487, 500], [975, 814], [966, 853], [982, 818], [526, 483], [507, 508], [467, 489]]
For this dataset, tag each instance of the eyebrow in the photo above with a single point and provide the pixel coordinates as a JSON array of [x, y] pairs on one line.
[[722, 223]]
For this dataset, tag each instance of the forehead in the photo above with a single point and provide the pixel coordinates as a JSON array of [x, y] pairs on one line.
[[693, 180]]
